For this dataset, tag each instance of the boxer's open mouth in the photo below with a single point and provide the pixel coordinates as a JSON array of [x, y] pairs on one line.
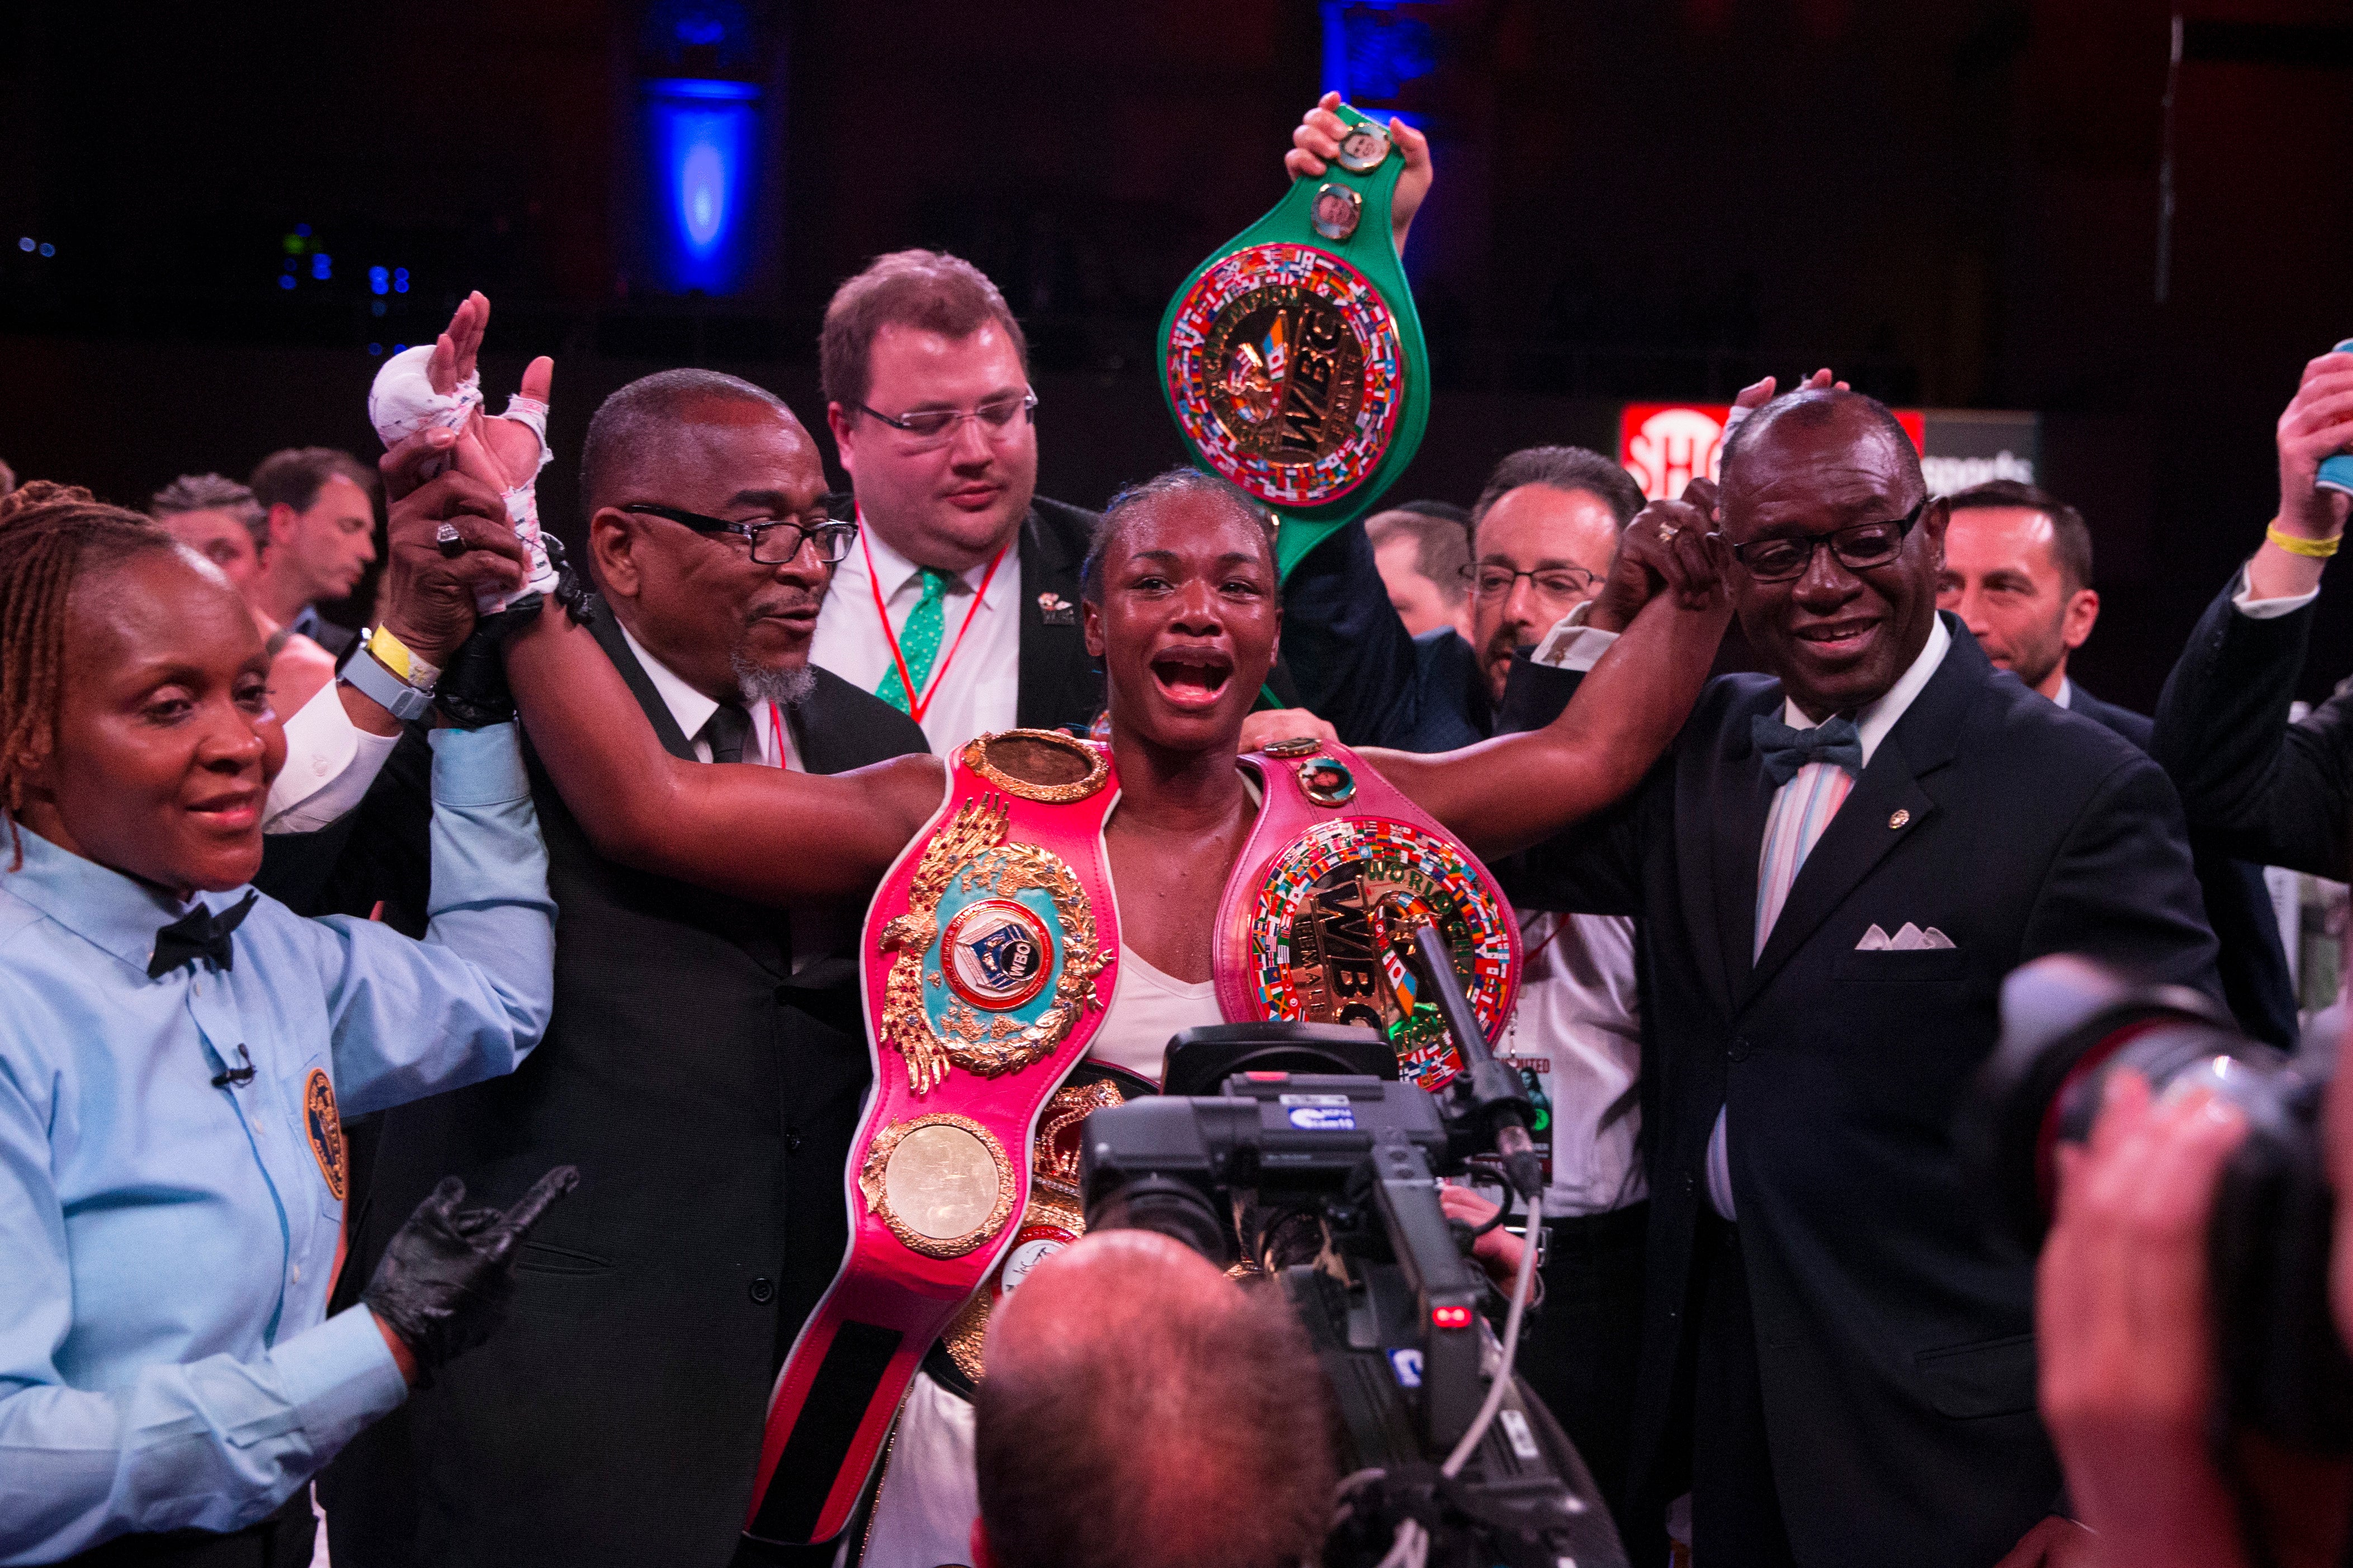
[[1193, 677]]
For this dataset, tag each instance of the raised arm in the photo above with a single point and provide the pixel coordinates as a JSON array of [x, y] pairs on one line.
[[2270, 791], [1514, 791], [760, 833]]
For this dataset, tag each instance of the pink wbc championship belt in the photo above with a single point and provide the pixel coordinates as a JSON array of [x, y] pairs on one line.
[[991, 952], [1316, 925]]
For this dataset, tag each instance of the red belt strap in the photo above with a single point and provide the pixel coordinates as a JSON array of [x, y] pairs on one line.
[[989, 954]]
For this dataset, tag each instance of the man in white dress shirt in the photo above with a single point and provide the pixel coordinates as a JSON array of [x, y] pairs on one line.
[[958, 605]]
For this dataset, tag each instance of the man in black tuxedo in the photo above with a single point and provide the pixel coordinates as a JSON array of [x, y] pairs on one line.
[[704, 1068], [2268, 788], [1837, 864], [965, 582], [2018, 571]]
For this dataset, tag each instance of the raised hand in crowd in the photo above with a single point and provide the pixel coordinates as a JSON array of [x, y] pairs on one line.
[[1649, 560], [2317, 425], [431, 586], [1317, 140], [505, 451]]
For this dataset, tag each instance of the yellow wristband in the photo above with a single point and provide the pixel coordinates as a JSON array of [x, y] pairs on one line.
[[2297, 544], [394, 654]]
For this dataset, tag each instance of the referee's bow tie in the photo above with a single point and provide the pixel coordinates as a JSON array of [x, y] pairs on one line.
[[1784, 750], [199, 933]]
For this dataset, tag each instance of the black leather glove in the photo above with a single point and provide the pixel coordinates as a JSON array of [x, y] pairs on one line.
[[443, 1283]]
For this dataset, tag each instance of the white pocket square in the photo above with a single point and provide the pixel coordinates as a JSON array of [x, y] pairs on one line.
[[1911, 938]]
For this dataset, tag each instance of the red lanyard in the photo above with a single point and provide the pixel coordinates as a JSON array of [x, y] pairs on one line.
[[919, 705], [776, 738]]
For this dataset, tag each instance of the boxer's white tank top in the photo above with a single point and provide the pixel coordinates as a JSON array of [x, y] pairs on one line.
[[1147, 1005]]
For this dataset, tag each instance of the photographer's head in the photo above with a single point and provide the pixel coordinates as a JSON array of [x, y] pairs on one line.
[[1141, 1409]]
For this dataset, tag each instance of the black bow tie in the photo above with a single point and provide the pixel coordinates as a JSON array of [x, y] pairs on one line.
[[199, 933]]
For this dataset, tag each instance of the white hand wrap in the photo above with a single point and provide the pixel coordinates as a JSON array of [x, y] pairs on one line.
[[402, 402]]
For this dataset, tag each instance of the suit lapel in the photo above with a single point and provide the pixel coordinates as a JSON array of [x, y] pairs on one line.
[[760, 932], [1865, 829], [1731, 798], [1886, 806], [607, 629], [1055, 682]]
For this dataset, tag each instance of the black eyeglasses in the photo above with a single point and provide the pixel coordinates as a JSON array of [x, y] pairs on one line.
[[1859, 548], [775, 540], [929, 427], [1492, 582]]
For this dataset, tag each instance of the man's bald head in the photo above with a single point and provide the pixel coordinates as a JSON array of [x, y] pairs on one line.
[[1816, 410], [1141, 1409], [643, 421]]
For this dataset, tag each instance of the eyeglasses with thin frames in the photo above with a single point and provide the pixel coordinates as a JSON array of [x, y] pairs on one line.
[[1495, 581], [1859, 548], [927, 428], [775, 540]]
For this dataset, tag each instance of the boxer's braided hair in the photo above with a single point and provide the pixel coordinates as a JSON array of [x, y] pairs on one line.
[[48, 533]]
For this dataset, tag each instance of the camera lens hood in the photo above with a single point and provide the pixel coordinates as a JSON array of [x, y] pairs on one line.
[[2062, 1017]]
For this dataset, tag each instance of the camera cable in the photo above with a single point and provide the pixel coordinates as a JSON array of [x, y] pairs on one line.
[[1410, 1549]]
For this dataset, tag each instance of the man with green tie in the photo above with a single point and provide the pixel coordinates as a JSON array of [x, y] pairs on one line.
[[958, 605]]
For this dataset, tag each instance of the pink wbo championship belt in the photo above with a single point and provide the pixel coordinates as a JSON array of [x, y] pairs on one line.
[[1317, 921], [990, 953], [1315, 926]]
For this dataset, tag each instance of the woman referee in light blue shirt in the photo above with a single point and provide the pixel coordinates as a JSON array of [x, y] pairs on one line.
[[176, 1052]]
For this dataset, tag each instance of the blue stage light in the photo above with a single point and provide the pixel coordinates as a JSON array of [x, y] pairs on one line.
[[286, 280], [27, 245], [374, 349], [704, 137], [379, 280], [47, 249], [400, 280], [322, 267]]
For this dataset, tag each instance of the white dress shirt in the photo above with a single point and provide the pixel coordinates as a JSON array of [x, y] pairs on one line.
[[973, 689], [1579, 1017], [1873, 721], [330, 763], [772, 737]]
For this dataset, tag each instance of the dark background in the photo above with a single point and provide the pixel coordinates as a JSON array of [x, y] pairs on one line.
[[1956, 203]]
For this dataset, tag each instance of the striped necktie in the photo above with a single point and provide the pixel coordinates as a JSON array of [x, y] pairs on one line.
[[919, 642]]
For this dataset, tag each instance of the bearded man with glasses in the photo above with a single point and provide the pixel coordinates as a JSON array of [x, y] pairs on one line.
[[958, 604], [1836, 864], [704, 1062]]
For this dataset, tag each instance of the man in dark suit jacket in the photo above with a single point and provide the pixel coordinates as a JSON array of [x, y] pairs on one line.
[[1838, 1362], [2259, 784], [704, 1069], [965, 582], [2018, 571], [1543, 534], [2279, 792]]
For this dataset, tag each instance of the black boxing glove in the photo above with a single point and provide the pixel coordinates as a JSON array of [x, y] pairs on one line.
[[443, 1283]]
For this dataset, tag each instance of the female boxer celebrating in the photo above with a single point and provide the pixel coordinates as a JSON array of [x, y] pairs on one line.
[[1182, 607]]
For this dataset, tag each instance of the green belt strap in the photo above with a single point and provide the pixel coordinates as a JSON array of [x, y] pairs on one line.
[[1293, 358]]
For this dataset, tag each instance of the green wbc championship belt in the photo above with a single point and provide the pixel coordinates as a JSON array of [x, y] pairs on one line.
[[1293, 358]]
